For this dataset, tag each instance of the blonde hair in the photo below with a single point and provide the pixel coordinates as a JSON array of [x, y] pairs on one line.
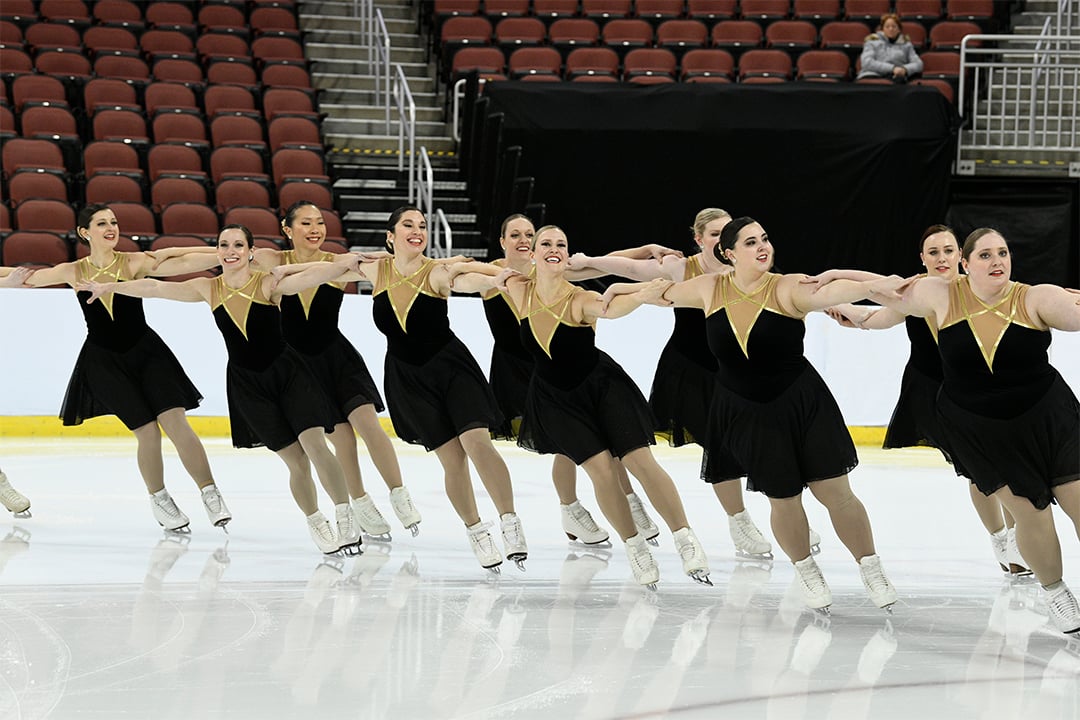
[[705, 217], [536, 236]]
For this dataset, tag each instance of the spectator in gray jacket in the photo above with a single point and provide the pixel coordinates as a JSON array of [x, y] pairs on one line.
[[888, 53]]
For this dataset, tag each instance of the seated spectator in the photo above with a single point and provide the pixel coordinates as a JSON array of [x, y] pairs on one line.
[[888, 53]]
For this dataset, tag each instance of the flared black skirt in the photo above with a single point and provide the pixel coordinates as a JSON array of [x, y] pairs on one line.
[[1031, 453], [434, 402], [509, 376], [606, 411], [780, 445], [344, 377], [135, 386], [272, 407], [681, 394]]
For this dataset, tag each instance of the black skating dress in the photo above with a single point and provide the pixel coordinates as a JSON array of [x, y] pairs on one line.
[[272, 394], [434, 388], [511, 363], [580, 402], [1008, 416], [124, 368], [682, 387], [310, 322], [771, 410]]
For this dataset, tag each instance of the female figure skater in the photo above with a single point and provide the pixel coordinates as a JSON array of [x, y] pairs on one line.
[[125, 369], [1009, 418], [914, 421], [13, 500], [273, 399], [582, 404], [437, 394], [772, 417]]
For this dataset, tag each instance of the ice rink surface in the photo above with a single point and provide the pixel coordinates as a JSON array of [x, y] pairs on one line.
[[104, 616]]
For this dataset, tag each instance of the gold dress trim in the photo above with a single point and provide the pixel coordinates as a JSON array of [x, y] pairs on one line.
[[288, 257], [988, 323], [537, 309], [116, 271], [694, 267], [250, 292], [402, 290], [730, 296]]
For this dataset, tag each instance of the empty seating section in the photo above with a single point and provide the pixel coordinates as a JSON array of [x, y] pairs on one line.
[[173, 113], [539, 40]]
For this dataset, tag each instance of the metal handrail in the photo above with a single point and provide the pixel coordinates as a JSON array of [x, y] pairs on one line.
[[406, 108], [380, 67], [1048, 57], [442, 223], [425, 187]]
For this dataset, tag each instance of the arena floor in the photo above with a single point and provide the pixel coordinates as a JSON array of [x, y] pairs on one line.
[[103, 616]]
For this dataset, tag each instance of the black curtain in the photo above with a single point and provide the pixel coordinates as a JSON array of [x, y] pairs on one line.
[[839, 176]]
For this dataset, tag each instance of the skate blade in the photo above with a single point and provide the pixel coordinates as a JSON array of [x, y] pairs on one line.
[[653, 541], [414, 529], [701, 577], [495, 569], [22, 514], [754, 556], [183, 530], [1019, 570], [381, 538], [351, 550], [651, 586], [888, 609], [520, 562], [605, 543]]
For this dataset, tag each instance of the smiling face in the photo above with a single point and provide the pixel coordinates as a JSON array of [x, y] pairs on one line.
[[516, 240], [307, 229], [752, 249], [103, 230], [233, 250], [989, 263], [409, 235], [550, 250], [941, 255]]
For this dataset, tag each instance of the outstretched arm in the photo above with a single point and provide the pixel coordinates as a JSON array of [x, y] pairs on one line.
[[1055, 307], [63, 274], [176, 261], [592, 304], [864, 317], [474, 277], [804, 298], [14, 277], [194, 290]]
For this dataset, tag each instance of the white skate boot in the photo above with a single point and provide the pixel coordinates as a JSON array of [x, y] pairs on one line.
[[815, 590], [1017, 565], [12, 499], [578, 524], [694, 562], [322, 533], [1063, 608], [215, 507], [348, 530], [749, 542], [371, 521], [167, 514], [514, 539], [644, 524], [483, 546], [641, 561], [403, 506], [999, 541], [881, 591]]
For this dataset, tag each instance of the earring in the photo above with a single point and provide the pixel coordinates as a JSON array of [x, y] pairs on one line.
[[251, 257]]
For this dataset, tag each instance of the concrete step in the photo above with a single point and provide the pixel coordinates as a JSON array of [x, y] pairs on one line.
[[378, 112], [397, 11], [379, 144], [371, 126], [349, 96], [388, 200], [417, 84], [353, 67], [310, 24], [340, 51], [349, 35], [365, 216]]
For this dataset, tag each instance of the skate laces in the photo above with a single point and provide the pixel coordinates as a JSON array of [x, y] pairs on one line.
[[874, 577], [10, 495], [1063, 605], [582, 517], [812, 579], [511, 531], [212, 499], [747, 532], [688, 546], [167, 506], [402, 502], [640, 557], [481, 536]]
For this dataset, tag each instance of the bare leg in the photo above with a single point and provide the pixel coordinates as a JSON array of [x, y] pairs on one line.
[[458, 483], [148, 456], [344, 441], [658, 486], [1068, 497], [609, 495], [624, 477], [1035, 536], [564, 477], [1010, 521], [188, 446], [790, 526], [847, 513], [988, 509], [378, 444], [729, 493], [313, 440], [490, 467], [300, 482]]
